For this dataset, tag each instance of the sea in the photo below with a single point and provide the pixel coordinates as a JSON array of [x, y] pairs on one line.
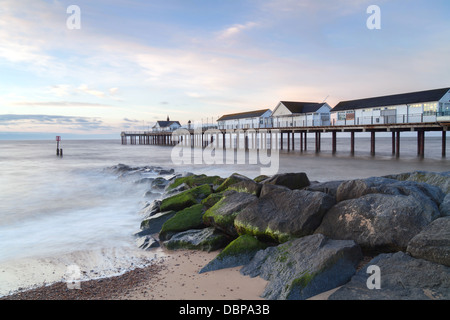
[[60, 214]]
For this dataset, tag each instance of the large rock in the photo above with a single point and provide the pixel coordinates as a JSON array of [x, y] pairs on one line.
[[438, 179], [433, 243], [234, 178], [329, 187], [153, 224], [291, 180], [248, 186], [379, 221], [237, 253], [207, 239], [445, 206], [224, 212], [281, 216], [189, 218], [402, 278], [304, 267], [150, 209], [192, 181], [147, 242], [186, 198], [352, 189]]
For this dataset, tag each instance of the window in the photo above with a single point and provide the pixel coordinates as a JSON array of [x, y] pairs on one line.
[[342, 115], [429, 109]]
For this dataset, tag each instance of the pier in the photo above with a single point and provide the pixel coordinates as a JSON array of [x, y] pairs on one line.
[[287, 138]]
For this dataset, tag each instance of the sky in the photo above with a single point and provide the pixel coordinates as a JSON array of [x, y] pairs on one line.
[[131, 63]]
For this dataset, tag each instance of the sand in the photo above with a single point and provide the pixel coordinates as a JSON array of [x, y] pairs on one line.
[[174, 276], [179, 280]]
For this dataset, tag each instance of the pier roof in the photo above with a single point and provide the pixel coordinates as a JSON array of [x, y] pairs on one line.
[[392, 100], [243, 115]]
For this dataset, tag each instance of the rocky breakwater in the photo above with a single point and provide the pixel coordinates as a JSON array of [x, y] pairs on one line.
[[307, 237]]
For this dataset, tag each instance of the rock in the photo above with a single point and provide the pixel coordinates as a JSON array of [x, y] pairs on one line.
[[224, 212], [147, 242], [402, 278], [154, 223], [438, 179], [291, 180], [173, 191], [186, 198], [444, 208], [433, 242], [234, 178], [163, 172], [237, 253], [260, 178], [144, 181], [212, 199], [151, 208], [159, 183], [329, 187], [381, 222], [282, 216], [189, 218], [247, 186], [304, 267], [196, 180], [271, 188], [356, 188], [207, 239]]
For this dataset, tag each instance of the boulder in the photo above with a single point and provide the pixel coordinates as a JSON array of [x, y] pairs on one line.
[[207, 239], [304, 267], [224, 212], [444, 208], [159, 183], [247, 186], [272, 188], [291, 180], [234, 178], [237, 253], [438, 179], [147, 242], [260, 178], [281, 216], [192, 181], [433, 242], [379, 222], [356, 188], [186, 198], [189, 218], [212, 199], [151, 208], [153, 224], [329, 187], [402, 278]]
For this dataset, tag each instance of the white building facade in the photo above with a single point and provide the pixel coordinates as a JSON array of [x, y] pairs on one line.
[[301, 114], [246, 120], [414, 107]]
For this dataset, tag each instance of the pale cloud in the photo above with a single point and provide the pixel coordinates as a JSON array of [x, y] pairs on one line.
[[85, 89], [236, 30]]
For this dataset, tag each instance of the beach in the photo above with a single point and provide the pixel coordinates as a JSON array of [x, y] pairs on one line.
[[172, 277]]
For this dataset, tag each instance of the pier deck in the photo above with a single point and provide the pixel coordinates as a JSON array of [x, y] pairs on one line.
[[284, 137]]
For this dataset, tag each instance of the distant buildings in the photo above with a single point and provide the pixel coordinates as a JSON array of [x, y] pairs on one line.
[[246, 120], [166, 126]]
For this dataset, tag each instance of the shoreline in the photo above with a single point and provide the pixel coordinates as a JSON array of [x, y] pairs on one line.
[[172, 277]]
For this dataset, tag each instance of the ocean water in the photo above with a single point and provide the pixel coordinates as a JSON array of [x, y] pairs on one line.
[[60, 212]]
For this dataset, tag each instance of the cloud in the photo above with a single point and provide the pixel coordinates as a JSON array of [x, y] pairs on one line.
[[29, 121], [60, 104], [236, 30]]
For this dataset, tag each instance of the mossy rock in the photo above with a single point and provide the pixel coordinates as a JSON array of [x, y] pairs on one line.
[[208, 239], [212, 199], [224, 212], [234, 178], [247, 186], [197, 180], [189, 218], [237, 253], [260, 178], [186, 198]]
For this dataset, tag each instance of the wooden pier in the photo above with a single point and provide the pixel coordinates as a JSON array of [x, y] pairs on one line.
[[284, 138]]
